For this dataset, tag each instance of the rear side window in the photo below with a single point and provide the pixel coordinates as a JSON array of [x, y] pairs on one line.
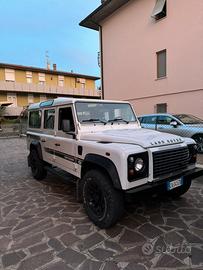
[[149, 120], [35, 119], [49, 118]]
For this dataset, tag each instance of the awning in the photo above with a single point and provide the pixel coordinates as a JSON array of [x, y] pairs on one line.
[[158, 8]]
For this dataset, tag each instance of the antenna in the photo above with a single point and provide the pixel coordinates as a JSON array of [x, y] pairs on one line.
[[47, 60]]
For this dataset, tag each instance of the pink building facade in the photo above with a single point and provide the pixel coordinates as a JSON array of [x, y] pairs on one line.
[[130, 40]]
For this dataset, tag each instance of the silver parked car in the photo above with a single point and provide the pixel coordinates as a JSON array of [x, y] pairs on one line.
[[184, 125]]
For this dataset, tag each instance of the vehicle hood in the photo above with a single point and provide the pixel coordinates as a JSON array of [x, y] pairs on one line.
[[143, 137]]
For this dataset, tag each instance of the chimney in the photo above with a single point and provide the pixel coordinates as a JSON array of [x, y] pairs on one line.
[[54, 67]]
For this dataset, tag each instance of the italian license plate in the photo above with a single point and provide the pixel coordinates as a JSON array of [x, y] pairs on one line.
[[174, 184]]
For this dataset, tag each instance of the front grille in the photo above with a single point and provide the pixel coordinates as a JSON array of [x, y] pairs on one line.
[[170, 161]]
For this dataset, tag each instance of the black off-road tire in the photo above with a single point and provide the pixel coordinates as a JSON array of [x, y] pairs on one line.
[[37, 166], [179, 191], [103, 204]]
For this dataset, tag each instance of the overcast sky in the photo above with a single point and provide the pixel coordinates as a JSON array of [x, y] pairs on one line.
[[31, 27]]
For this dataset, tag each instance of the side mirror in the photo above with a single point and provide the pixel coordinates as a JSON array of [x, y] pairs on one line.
[[66, 126], [174, 124]]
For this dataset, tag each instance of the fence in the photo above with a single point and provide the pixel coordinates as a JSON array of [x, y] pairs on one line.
[[10, 130]]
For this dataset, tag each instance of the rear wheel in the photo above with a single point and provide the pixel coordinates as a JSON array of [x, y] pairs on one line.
[[199, 141], [37, 167], [179, 191], [103, 204]]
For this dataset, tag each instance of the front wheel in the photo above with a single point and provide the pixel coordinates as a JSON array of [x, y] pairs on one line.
[[103, 204], [179, 191], [37, 167], [199, 141]]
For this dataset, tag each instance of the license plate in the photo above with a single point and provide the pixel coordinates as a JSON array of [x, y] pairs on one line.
[[174, 184]]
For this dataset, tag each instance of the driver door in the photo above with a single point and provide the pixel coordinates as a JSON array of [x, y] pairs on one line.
[[163, 125], [65, 149]]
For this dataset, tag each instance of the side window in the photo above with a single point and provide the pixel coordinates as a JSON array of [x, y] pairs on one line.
[[35, 119], [66, 121], [164, 120], [49, 117], [149, 120]]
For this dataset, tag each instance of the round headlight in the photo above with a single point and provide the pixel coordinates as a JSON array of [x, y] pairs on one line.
[[139, 164]]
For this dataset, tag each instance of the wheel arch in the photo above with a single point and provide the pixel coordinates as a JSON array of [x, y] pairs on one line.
[[104, 164], [196, 134]]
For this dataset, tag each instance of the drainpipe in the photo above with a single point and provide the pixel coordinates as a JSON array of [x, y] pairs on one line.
[[101, 57]]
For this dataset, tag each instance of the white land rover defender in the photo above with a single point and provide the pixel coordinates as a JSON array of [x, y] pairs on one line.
[[101, 144]]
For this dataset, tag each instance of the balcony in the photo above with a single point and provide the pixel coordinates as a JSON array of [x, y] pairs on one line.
[[47, 89]]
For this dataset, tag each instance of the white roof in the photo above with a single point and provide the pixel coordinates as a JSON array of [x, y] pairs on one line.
[[64, 101]]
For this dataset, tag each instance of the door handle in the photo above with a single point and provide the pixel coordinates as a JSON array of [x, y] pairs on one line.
[[57, 144]]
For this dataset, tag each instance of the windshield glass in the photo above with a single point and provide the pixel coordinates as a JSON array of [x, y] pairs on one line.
[[189, 119], [104, 112]]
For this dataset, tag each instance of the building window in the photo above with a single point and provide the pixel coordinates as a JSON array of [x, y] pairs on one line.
[[61, 81], [10, 75], [29, 76], [160, 9], [35, 119], [49, 118], [30, 98], [161, 108], [82, 83], [12, 98], [161, 64], [42, 78]]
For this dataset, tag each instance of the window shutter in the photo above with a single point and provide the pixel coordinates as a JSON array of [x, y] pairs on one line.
[[28, 74], [10, 75], [41, 77], [158, 8]]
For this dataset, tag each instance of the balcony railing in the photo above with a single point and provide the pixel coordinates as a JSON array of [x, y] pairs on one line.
[[46, 89]]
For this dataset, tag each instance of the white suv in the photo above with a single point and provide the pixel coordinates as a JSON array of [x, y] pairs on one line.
[[101, 144]]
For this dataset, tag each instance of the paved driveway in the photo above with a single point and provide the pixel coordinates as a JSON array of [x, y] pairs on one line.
[[43, 227]]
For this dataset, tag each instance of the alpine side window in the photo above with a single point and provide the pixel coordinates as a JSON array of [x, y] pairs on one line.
[[35, 119], [66, 122], [49, 118]]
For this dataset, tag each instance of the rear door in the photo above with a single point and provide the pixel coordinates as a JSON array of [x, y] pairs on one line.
[[148, 121], [48, 135]]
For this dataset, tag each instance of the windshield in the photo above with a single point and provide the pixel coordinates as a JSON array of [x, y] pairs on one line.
[[103, 112], [189, 119]]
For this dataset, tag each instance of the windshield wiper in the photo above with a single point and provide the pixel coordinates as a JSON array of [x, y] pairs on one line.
[[93, 120], [118, 120]]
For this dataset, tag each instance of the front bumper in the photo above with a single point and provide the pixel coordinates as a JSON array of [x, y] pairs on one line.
[[160, 185]]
